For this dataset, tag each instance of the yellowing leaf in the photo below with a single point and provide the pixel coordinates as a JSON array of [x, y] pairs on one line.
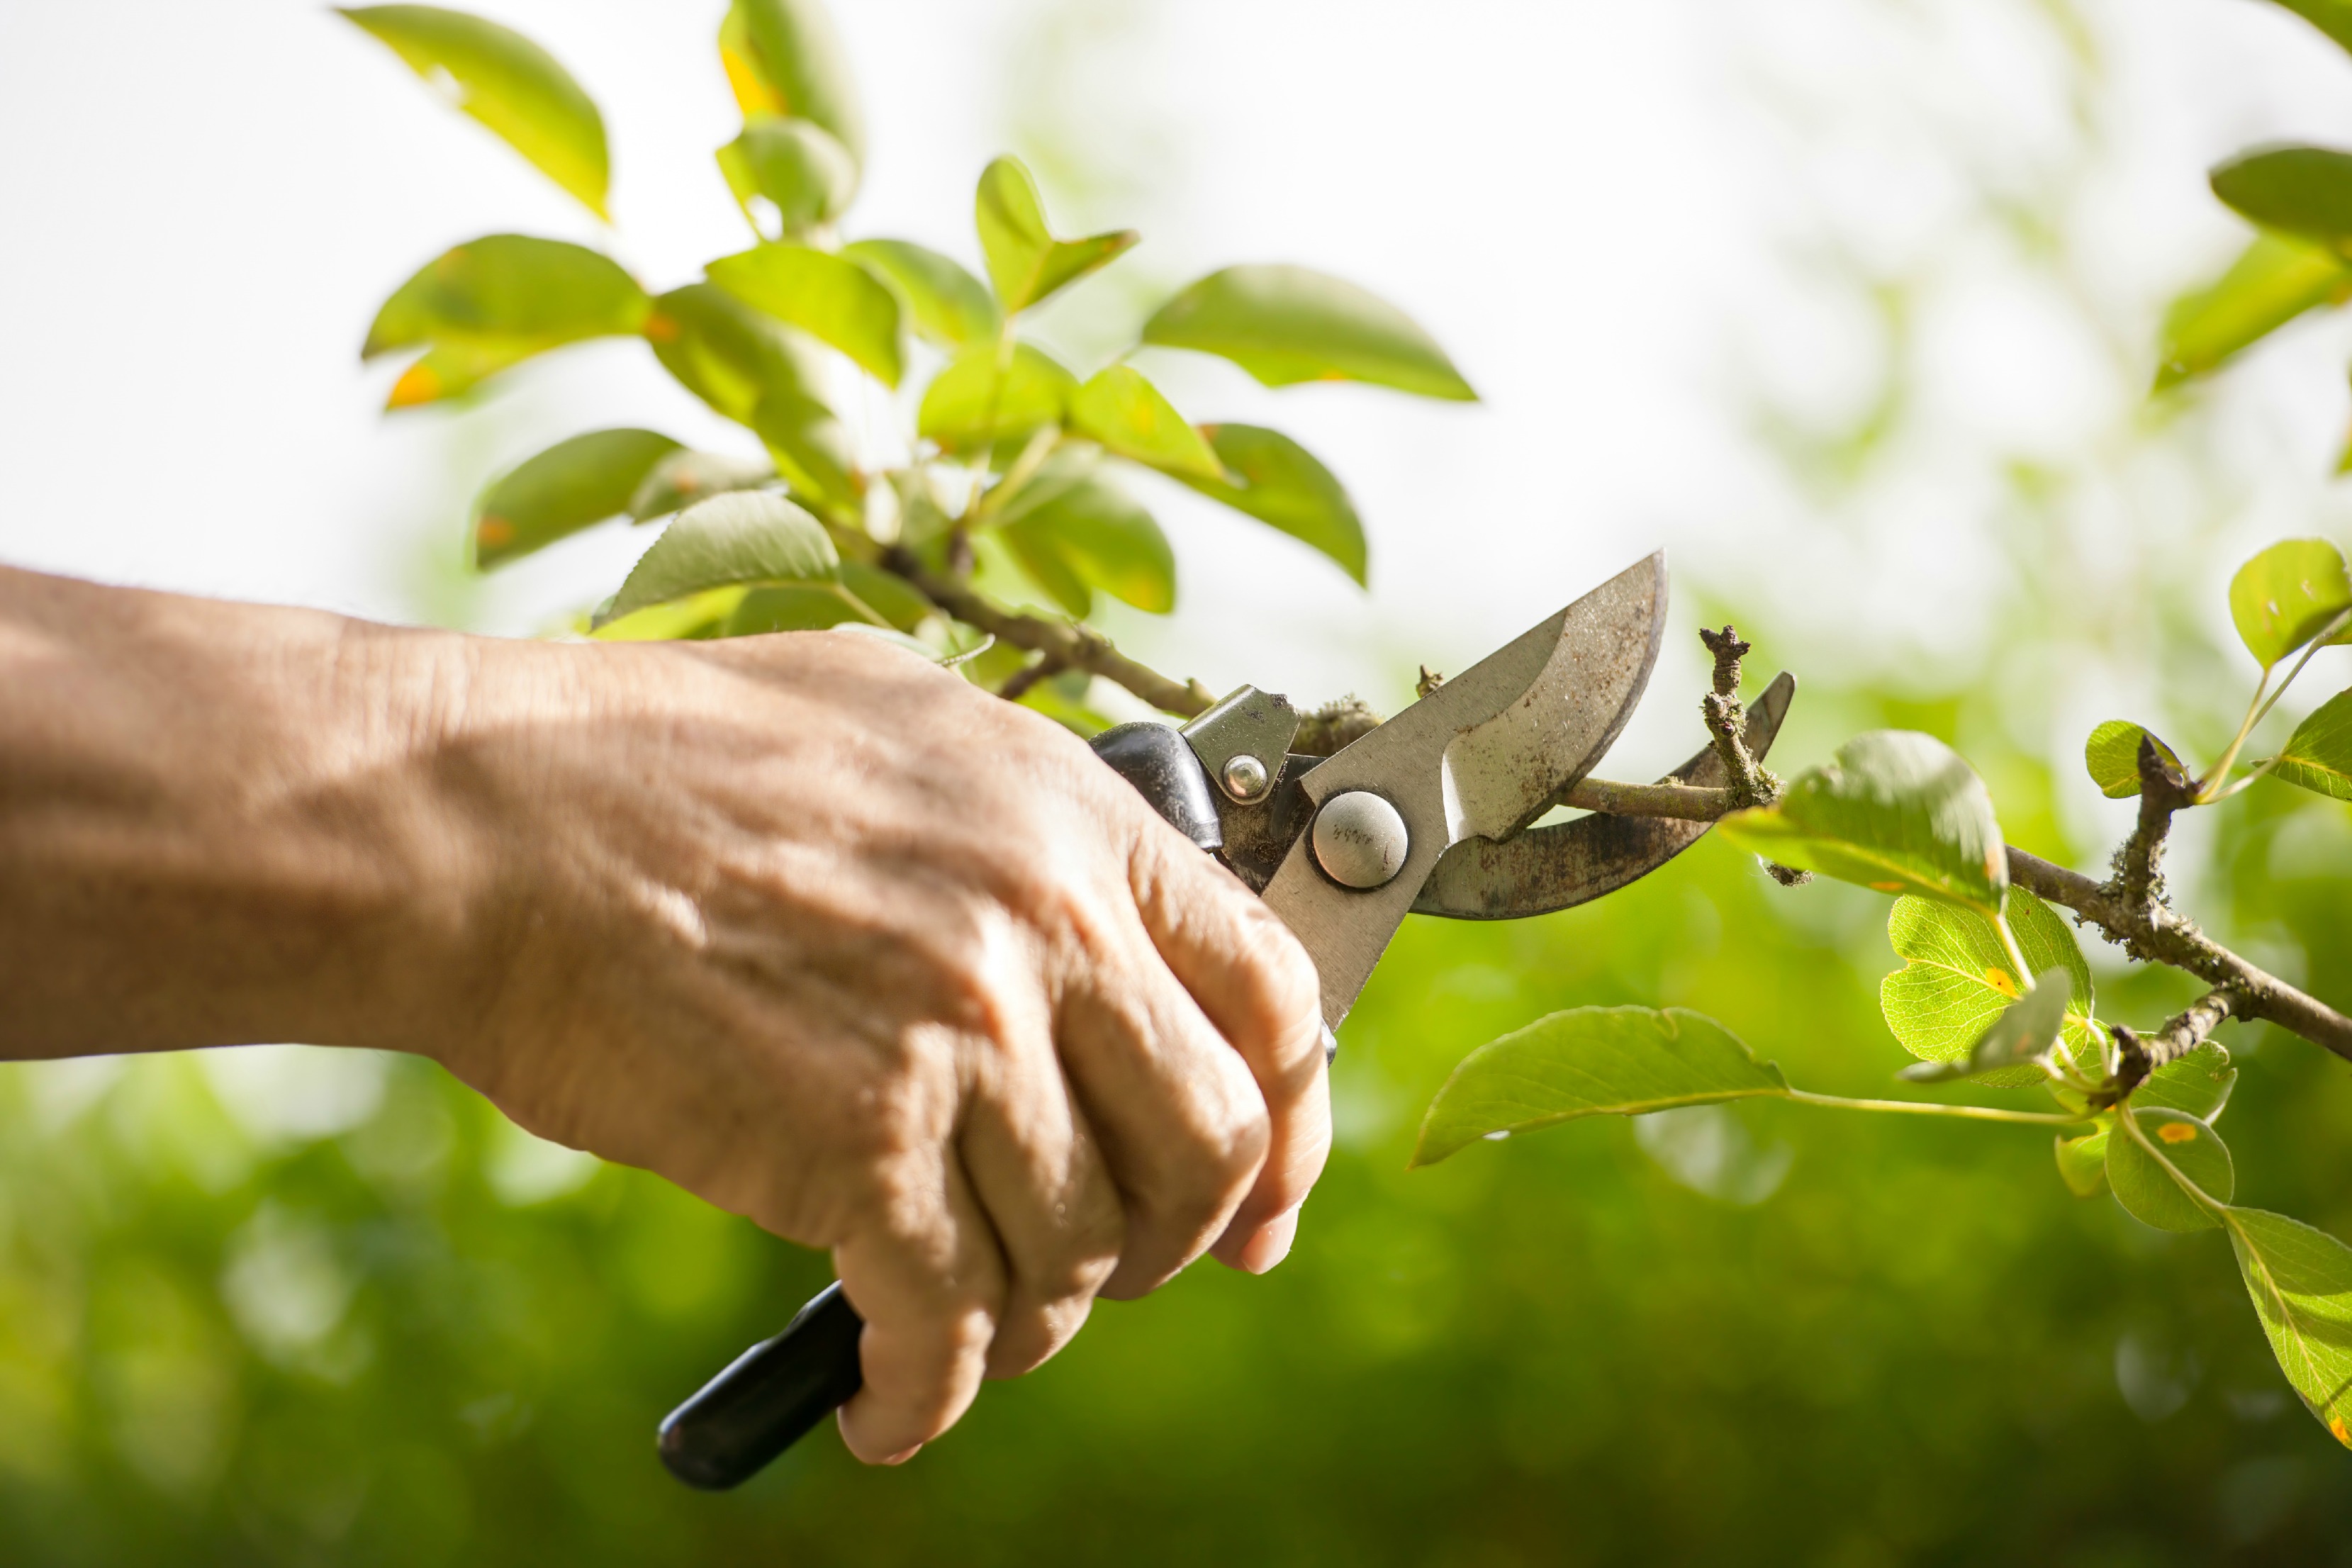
[[1956, 980], [564, 490], [2301, 1280], [493, 302], [509, 84], [1122, 410], [727, 355], [784, 57], [2152, 1183], [1025, 262]]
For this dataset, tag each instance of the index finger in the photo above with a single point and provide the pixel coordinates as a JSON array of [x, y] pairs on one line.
[[1257, 986]]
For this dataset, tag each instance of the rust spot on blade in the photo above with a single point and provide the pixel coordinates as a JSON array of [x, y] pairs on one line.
[[494, 534], [1886, 887], [2000, 980], [660, 329], [2342, 1433], [2178, 1133]]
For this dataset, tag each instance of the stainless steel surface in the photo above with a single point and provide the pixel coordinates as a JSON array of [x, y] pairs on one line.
[[1247, 722], [1244, 778], [1360, 840], [1567, 863], [1480, 756]]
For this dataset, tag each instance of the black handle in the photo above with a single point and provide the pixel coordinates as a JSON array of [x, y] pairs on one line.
[[768, 1398], [771, 1396]]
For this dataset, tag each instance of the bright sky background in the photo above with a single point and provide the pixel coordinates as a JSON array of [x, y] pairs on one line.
[[1633, 226]]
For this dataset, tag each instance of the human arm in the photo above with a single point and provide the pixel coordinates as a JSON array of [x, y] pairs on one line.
[[811, 928]]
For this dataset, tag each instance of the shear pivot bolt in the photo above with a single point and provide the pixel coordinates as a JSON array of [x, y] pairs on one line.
[[1360, 840], [1244, 777]]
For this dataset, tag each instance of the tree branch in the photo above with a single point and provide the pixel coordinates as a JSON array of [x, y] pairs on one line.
[[2138, 865], [1074, 646], [1689, 803], [2137, 1056], [1727, 723], [2156, 933]]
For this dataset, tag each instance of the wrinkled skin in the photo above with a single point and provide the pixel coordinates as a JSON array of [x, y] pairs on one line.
[[811, 927]]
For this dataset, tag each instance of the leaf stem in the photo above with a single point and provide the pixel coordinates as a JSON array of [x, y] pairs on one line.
[[1930, 1108], [2016, 954]]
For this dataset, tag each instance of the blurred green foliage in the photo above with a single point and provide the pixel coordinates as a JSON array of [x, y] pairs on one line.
[[301, 1309]]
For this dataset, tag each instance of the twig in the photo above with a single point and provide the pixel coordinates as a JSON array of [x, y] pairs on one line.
[[1044, 667], [1689, 803], [1727, 723], [2164, 789], [2158, 934], [1077, 647], [2140, 1055]]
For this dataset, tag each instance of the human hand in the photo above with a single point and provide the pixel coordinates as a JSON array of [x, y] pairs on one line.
[[837, 942]]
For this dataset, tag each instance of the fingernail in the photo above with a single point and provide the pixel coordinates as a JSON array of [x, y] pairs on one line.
[[1271, 1244], [903, 1454]]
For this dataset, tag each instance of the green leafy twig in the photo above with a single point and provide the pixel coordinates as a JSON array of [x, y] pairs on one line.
[[2159, 934], [1074, 646]]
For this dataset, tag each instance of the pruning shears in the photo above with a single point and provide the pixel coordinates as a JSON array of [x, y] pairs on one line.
[[1428, 812]]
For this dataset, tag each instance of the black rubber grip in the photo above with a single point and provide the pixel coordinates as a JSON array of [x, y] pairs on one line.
[[773, 1394], [768, 1398]]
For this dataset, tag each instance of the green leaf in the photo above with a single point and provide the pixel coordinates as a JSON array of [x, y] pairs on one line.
[[509, 84], [784, 57], [797, 165], [564, 490], [2299, 190], [2149, 1187], [809, 448], [1076, 532], [2083, 1162], [2287, 595], [690, 619], [2301, 1280], [1898, 811], [1289, 324], [887, 595], [686, 476], [985, 397], [945, 304], [1274, 479], [1956, 980], [1127, 414], [788, 609], [1592, 1061], [833, 300], [753, 537], [2027, 1030], [2318, 755], [2277, 279], [727, 355], [1025, 262], [2112, 757], [495, 301], [2198, 1084]]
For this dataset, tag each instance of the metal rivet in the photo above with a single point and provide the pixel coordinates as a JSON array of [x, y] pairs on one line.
[[1245, 776], [1360, 840]]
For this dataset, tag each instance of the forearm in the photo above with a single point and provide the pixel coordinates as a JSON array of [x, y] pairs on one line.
[[219, 824]]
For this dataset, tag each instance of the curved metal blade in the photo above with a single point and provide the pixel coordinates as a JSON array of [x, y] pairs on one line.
[[1571, 863], [1481, 756]]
